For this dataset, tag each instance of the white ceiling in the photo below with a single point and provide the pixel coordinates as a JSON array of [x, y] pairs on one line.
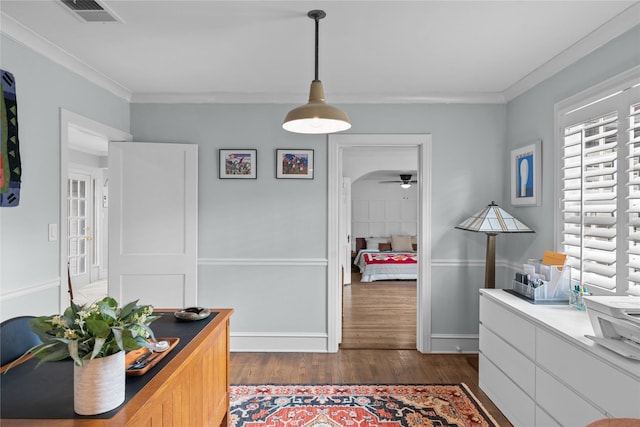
[[370, 51]]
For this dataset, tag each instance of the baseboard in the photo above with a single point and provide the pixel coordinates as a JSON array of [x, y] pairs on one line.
[[317, 343], [455, 343], [279, 342]]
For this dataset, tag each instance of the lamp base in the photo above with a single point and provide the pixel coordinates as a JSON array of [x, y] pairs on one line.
[[490, 266]]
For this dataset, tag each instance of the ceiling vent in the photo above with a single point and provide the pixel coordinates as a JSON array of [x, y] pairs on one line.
[[90, 11]]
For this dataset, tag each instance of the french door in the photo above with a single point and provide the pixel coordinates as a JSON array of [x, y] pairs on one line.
[[80, 248]]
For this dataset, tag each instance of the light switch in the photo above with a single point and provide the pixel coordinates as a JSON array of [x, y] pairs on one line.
[[53, 232]]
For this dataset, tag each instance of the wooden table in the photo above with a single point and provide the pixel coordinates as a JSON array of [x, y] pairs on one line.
[[190, 389]]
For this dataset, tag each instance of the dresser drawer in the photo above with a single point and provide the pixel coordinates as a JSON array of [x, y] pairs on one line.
[[512, 328], [563, 404], [509, 398], [514, 364], [608, 388]]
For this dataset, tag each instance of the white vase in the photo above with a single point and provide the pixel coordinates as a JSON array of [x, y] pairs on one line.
[[98, 386]]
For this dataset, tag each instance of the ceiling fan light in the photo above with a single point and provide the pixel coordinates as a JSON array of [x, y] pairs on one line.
[[405, 185], [316, 116]]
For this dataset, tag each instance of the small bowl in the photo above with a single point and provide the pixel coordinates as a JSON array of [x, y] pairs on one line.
[[192, 313]]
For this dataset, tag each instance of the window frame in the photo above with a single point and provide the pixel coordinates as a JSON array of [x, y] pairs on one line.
[[579, 108]]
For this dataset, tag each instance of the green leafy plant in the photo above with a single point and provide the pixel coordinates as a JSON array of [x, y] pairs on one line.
[[97, 330]]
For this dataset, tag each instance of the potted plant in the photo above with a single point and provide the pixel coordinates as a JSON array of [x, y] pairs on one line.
[[96, 337]]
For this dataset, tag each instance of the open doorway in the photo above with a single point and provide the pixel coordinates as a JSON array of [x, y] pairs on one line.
[[335, 242], [84, 206], [379, 303]]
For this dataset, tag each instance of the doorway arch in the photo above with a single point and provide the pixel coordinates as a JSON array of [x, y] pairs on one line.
[[336, 145]]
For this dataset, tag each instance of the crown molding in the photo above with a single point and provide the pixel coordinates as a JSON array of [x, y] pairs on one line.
[[25, 36], [615, 27], [271, 98]]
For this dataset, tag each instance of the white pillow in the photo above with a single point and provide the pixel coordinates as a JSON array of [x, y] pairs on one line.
[[372, 242], [401, 244]]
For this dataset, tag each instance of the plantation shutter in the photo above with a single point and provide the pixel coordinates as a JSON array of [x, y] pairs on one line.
[[600, 189], [634, 200], [589, 202]]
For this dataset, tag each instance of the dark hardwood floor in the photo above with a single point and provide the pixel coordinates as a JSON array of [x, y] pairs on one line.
[[378, 347], [362, 367]]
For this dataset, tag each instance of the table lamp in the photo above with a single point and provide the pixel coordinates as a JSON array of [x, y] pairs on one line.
[[493, 220]]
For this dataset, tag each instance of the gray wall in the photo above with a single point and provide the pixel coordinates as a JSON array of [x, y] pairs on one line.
[[262, 247], [29, 263], [531, 116]]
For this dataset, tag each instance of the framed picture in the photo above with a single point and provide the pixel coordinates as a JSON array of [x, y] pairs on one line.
[[294, 164], [526, 175], [238, 164]]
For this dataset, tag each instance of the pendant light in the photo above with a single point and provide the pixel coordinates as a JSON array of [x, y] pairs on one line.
[[316, 117]]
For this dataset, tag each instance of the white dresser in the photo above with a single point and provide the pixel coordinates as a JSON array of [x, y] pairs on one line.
[[540, 370]]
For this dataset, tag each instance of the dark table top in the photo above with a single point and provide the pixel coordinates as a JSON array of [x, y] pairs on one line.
[[47, 391]]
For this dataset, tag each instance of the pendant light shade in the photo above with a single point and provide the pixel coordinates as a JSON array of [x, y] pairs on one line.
[[316, 117]]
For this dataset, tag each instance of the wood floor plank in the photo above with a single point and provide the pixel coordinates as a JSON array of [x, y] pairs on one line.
[[362, 367], [379, 314]]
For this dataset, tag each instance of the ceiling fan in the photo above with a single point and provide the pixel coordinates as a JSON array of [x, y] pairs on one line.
[[405, 181]]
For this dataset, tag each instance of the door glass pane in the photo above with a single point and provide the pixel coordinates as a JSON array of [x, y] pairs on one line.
[[78, 226], [73, 247], [73, 184]]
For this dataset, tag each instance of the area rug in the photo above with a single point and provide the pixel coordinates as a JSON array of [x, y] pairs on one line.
[[356, 405]]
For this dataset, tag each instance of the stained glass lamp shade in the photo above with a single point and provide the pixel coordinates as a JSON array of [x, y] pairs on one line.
[[493, 220]]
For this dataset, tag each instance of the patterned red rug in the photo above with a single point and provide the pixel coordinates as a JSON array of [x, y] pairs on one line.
[[356, 405]]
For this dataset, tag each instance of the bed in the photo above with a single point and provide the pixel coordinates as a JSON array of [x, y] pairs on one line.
[[385, 263]]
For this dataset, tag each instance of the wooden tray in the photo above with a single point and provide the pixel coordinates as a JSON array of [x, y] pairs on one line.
[[152, 360]]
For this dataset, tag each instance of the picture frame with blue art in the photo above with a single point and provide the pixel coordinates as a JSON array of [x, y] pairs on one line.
[[526, 175], [294, 164]]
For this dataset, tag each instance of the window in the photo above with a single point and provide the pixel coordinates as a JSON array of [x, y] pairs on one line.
[[600, 186]]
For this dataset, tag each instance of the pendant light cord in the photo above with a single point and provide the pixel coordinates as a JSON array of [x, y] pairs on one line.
[[317, 15], [317, 44]]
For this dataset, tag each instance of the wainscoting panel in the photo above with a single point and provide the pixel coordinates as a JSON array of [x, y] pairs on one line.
[[278, 342], [280, 304], [383, 209], [35, 300]]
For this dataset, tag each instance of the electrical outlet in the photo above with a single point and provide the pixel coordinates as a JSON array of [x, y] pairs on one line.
[[53, 232]]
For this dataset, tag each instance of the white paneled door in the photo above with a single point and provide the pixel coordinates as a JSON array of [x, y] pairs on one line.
[[153, 223]]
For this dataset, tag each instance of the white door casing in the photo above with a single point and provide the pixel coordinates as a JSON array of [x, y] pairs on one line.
[[68, 120], [153, 223], [336, 144], [345, 228]]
